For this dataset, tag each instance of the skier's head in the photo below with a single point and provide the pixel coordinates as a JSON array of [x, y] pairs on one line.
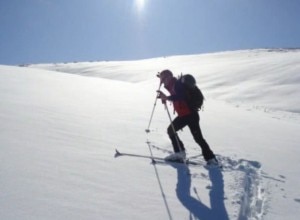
[[165, 76]]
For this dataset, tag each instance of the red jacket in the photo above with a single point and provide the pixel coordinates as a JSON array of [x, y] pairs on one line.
[[176, 90]]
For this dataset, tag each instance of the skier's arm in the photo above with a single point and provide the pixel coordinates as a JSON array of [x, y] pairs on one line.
[[179, 93]]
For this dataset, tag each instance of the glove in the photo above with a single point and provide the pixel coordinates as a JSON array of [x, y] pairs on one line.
[[162, 96]]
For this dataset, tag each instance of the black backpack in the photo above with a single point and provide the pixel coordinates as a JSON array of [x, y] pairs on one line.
[[192, 93]]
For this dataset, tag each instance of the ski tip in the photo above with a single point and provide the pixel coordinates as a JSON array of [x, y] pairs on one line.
[[117, 153], [153, 161]]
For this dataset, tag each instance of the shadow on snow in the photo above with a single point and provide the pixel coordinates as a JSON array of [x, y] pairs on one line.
[[194, 205]]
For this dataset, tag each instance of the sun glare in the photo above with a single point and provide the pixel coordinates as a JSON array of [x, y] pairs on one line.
[[140, 4]]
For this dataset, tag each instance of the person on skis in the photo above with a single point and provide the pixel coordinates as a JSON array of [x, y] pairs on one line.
[[185, 117]]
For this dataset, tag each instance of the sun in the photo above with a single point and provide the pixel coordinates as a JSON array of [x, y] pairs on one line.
[[140, 4]]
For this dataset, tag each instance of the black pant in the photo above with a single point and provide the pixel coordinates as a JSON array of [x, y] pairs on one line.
[[192, 121]]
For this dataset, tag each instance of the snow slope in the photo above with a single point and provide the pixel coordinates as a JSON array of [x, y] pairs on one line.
[[257, 77], [59, 132]]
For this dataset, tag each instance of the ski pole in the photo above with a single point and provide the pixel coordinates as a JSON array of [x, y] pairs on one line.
[[148, 129], [160, 184], [172, 125], [177, 140]]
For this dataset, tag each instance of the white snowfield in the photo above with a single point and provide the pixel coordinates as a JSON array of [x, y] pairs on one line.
[[61, 123]]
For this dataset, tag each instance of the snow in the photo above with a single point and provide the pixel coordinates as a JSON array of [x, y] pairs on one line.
[[61, 123]]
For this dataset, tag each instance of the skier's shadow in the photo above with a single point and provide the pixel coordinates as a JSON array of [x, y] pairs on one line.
[[196, 208]]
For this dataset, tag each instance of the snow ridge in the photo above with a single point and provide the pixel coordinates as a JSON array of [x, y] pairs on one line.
[[262, 78]]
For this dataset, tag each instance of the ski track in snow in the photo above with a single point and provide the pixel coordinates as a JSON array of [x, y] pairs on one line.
[[248, 182], [252, 194]]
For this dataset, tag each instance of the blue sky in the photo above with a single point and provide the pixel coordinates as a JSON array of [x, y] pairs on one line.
[[47, 31]]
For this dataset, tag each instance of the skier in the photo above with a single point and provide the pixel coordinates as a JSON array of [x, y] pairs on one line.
[[186, 117]]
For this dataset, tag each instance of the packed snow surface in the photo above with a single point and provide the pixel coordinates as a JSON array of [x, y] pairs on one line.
[[61, 123]]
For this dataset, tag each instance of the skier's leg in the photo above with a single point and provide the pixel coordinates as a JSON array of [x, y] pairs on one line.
[[198, 137]]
